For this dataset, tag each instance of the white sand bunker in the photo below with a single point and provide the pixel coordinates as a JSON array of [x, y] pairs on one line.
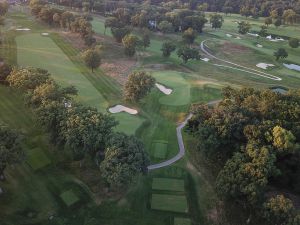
[[205, 59], [228, 35], [45, 34], [253, 34], [264, 65], [292, 67], [270, 38], [238, 38], [121, 108], [259, 46], [23, 29], [163, 89]]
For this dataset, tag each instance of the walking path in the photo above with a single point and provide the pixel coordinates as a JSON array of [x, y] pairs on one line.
[[245, 69], [181, 152]]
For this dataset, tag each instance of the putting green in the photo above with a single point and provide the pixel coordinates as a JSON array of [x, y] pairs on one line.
[[38, 51], [180, 87]]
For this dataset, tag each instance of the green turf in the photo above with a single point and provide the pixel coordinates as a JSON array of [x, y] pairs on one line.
[[37, 159], [171, 203], [98, 26], [69, 198], [175, 81], [160, 149], [38, 51], [168, 184], [182, 221]]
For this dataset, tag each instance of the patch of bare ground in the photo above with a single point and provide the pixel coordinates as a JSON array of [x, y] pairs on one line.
[[75, 39], [231, 48]]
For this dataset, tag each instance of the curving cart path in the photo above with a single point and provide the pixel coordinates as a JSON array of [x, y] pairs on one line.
[[181, 152], [245, 69]]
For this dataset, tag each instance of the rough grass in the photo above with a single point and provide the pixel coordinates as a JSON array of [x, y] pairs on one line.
[[168, 184], [170, 203]]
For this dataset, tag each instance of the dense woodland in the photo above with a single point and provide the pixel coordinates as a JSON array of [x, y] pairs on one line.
[[254, 138]]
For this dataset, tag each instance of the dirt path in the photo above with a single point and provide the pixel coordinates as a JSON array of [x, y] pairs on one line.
[[245, 69]]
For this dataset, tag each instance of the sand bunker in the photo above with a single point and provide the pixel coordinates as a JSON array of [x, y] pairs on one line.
[[121, 108], [45, 34], [259, 46], [253, 34], [264, 65], [205, 59], [23, 29], [270, 38], [163, 89], [238, 38], [228, 35], [292, 67]]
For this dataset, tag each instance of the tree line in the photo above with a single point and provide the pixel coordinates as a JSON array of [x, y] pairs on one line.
[[78, 129], [254, 137], [64, 19]]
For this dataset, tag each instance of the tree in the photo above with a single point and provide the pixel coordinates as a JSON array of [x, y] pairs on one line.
[[92, 58], [283, 139], [278, 22], [294, 42], [165, 27], [196, 22], [245, 176], [274, 14], [89, 40], [56, 18], [111, 22], [263, 31], [3, 8], [138, 85], [146, 39], [11, 151], [189, 36], [125, 158], [278, 210], [281, 53], [66, 19], [86, 131], [244, 27], [167, 48], [120, 33], [268, 21], [5, 70], [289, 16], [187, 53], [216, 21], [130, 43], [27, 79]]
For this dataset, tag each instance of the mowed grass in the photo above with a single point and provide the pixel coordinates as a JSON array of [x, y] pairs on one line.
[[170, 203], [37, 159], [69, 198], [160, 149], [99, 28], [175, 81], [38, 51], [182, 221], [168, 184]]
